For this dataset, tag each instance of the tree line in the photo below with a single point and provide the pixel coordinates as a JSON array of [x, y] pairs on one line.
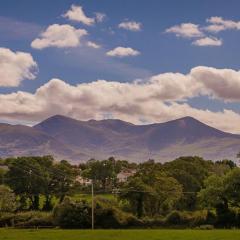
[[154, 190]]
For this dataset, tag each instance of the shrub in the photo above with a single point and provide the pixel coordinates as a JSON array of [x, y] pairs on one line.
[[186, 219], [70, 214], [26, 219], [174, 218], [77, 214], [206, 227], [7, 199], [226, 217], [153, 222], [197, 218]]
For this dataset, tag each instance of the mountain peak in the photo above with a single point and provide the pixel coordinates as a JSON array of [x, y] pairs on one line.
[[82, 140], [57, 117], [188, 119]]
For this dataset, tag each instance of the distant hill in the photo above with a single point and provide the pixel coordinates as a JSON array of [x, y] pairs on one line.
[[161, 141], [18, 140]]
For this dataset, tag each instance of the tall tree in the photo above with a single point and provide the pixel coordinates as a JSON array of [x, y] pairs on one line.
[[8, 201], [27, 179]]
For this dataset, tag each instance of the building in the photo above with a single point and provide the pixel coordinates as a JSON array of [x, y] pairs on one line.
[[125, 174]]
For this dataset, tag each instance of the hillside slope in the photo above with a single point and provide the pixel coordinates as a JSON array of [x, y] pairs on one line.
[[161, 141]]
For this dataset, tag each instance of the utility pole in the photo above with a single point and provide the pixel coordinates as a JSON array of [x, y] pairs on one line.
[[92, 206]]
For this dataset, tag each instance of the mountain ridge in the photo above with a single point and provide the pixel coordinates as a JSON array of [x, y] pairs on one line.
[[81, 140]]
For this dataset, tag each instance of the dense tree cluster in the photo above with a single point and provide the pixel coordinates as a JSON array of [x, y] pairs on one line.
[[154, 190], [32, 177]]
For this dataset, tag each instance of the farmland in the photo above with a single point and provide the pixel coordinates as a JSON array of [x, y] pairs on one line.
[[12, 234]]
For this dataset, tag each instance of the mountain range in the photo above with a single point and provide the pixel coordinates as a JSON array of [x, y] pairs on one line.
[[74, 140]]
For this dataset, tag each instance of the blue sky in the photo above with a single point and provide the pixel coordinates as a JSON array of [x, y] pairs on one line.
[[158, 50]]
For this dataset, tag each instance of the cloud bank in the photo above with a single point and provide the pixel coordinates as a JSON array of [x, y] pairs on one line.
[[160, 98]]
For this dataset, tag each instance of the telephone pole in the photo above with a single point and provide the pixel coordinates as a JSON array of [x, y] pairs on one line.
[[92, 206]]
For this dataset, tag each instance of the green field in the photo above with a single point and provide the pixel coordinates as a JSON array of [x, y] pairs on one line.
[[12, 234]]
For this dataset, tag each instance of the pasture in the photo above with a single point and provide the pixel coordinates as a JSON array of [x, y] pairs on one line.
[[57, 234]]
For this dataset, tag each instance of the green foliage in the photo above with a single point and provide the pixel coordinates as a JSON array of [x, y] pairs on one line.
[[186, 219], [232, 187], [190, 172], [31, 177], [71, 214], [104, 172], [136, 192], [2, 174], [26, 219], [228, 163], [213, 192], [187, 192], [7, 199]]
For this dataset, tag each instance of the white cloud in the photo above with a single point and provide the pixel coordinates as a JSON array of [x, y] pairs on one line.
[[15, 67], [208, 41], [131, 26], [186, 30], [122, 52], [100, 17], [162, 97], [93, 45], [76, 13], [214, 28], [218, 24], [60, 36], [219, 83]]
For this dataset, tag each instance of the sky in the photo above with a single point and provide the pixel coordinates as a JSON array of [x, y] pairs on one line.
[[140, 61]]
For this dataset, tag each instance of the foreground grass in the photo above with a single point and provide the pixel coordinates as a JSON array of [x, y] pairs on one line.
[[26, 234]]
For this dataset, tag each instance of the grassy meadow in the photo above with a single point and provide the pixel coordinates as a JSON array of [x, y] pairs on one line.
[[26, 234]]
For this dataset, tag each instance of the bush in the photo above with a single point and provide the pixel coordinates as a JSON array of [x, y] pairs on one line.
[[26, 219], [7, 199], [153, 222], [70, 214], [186, 219], [197, 218], [77, 214], [174, 218], [226, 217], [6, 219], [206, 227]]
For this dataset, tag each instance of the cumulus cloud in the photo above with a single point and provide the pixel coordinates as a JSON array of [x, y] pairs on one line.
[[218, 24], [208, 41], [60, 36], [219, 83], [157, 99], [122, 52], [186, 30], [15, 67], [76, 13], [100, 17], [93, 45], [131, 25]]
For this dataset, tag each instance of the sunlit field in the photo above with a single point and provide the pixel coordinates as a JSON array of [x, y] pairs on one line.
[[12, 234]]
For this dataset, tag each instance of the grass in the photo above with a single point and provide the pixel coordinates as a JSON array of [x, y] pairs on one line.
[[88, 197], [26, 234]]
